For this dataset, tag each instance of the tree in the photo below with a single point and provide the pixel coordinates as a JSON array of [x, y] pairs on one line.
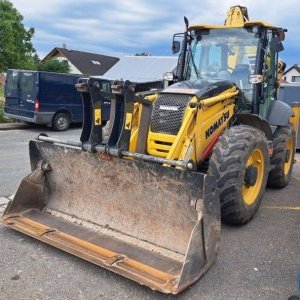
[[16, 49], [54, 65]]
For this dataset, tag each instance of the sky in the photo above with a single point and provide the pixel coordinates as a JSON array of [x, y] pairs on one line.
[[123, 27]]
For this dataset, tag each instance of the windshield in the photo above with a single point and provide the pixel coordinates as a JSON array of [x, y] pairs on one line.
[[220, 53], [224, 54]]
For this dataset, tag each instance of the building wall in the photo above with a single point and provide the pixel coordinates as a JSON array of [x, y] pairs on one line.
[[289, 75], [73, 69]]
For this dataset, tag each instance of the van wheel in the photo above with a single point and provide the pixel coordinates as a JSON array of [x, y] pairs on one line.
[[61, 122]]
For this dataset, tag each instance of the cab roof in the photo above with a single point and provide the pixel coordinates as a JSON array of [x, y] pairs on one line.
[[246, 24]]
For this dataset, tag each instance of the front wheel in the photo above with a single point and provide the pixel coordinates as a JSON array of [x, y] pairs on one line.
[[240, 162]]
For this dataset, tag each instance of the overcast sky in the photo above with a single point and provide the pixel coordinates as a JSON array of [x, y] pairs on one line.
[[123, 27]]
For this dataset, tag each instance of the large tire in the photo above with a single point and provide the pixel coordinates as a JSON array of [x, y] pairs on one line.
[[61, 121], [283, 157], [240, 162]]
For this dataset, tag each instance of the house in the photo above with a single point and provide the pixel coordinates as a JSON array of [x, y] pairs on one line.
[[292, 74], [83, 62], [139, 69]]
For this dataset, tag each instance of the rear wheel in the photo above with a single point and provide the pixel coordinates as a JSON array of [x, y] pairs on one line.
[[61, 121], [240, 162], [283, 157]]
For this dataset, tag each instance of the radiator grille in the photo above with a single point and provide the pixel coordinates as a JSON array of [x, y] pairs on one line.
[[167, 114]]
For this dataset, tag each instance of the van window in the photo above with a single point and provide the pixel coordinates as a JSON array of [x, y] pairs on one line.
[[12, 81], [27, 82]]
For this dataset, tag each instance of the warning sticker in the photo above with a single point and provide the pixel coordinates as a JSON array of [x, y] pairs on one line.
[[128, 121], [97, 115]]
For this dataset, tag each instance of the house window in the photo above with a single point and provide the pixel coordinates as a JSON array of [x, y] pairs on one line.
[[295, 78], [96, 62]]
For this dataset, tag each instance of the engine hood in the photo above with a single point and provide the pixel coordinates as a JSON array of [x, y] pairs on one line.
[[201, 88]]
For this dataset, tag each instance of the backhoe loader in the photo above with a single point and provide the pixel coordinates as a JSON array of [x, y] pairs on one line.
[[146, 200]]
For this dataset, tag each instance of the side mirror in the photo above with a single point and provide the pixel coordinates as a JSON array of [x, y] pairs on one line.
[[169, 76], [254, 79], [276, 45], [175, 47]]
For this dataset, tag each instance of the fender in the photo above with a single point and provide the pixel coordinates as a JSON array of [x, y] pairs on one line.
[[279, 113], [255, 121]]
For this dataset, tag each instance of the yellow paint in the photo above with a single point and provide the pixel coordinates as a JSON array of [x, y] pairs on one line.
[[136, 118], [237, 19], [192, 140], [289, 164], [183, 134], [128, 121], [296, 119], [246, 24], [159, 144], [216, 99], [250, 193], [97, 117], [216, 117]]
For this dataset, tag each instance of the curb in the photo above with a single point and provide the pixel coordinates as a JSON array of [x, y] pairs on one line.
[[13, 126]]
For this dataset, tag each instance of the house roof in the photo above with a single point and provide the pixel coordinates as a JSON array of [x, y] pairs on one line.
[[141, 68], [87, 63], [296, 67]]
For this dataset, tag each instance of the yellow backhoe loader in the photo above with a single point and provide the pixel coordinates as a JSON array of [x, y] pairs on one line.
[[146, 200]]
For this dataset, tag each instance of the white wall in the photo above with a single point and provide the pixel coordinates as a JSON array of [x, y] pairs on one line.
[[73, 69], [288, 76]]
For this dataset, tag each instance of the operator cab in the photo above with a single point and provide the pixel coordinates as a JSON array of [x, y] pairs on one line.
[[245, 55]]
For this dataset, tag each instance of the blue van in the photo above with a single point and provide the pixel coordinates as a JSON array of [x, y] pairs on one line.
[[45, 98]]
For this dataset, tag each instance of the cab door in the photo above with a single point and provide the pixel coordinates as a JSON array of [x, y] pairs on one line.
[[269, 71]]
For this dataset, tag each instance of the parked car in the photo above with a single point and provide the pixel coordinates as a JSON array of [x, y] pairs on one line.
[[45, 98]]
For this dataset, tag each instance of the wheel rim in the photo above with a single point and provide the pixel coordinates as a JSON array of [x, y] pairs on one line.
[[250, 193], [62, 123], [288, 162]]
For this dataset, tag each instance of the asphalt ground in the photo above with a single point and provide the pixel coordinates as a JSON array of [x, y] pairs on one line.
[[257, 261], [14, 155]]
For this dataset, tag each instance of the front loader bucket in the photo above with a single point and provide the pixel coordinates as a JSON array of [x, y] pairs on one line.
[[156, 225]]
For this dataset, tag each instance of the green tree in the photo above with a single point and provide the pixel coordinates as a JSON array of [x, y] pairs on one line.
[[16, 49], [54, 65]]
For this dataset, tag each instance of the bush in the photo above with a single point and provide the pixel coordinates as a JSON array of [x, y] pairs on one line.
[[2, 119], [54, 65]]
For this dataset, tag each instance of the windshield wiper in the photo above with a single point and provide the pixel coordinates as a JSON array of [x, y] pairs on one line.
[[194, 64]]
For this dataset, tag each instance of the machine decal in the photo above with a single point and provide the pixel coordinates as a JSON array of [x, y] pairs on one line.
[[217, 124]]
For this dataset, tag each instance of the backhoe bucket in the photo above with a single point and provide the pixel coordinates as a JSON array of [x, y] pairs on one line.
[[156, 225]]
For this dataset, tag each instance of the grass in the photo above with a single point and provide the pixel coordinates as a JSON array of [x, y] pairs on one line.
[[2, 119]]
